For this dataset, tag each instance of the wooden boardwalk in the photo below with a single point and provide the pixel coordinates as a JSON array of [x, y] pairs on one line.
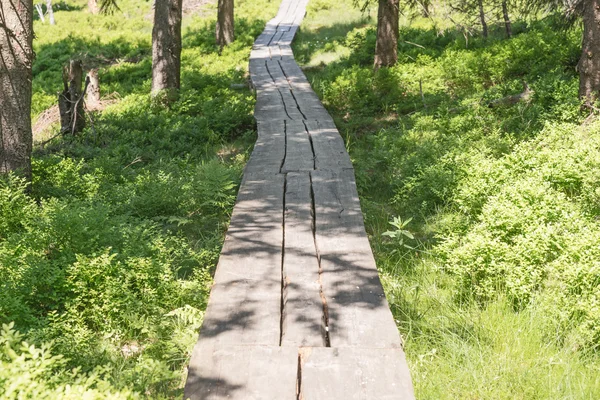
[[297, 310]]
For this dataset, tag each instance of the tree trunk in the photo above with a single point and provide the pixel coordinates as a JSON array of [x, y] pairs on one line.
[[225, 25], [425, 12], [92, 94], [166, 49], [50, 12], [70, 101], [93, 6], [40, 12], [506, 19], [16, 58], [484, 27], [386, 47], [589, 63]]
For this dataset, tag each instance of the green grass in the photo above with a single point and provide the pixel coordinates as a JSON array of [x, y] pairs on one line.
[[497, 296], [106, 263]]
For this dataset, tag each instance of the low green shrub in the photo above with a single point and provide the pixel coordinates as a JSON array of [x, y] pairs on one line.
[[30, 372]]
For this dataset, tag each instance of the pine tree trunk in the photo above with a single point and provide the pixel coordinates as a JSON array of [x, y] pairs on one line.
[[589, 63], [507, 23], [50, 12], [16, 58], [386, 47], [225, 24], [484, 27], [70, 101], [93, 6], [166, 49]]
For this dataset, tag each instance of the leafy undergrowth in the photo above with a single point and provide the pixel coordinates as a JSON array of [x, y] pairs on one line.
[[105, 265], [498, 294]]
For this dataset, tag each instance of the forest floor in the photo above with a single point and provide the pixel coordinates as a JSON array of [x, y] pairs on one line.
[[490, 269]]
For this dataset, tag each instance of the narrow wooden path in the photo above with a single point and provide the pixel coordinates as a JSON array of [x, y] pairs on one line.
[[297, 310]]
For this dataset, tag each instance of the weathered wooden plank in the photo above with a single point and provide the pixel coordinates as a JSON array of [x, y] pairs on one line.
[[299, 154], [260, 53], [277, 38], [295, 75], [277, 73], [359, 315], [269, 115], [243, 311], [269, 150], [243, 373], [245, 301], [354, 374], [244, 307], [270, 106], [330, 150], [264, 38], [284, 9], [275, 52], [269, 99], [286, 52], [302, 319], [291, 106]]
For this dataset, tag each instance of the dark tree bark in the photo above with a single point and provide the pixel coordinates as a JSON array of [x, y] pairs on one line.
[[386, 47], [92, 94], [70, 101], [50, 12], [166, 49], [589, 63], [225, 24], [484, 27], [507, 23], [16, 58], [93, 6]]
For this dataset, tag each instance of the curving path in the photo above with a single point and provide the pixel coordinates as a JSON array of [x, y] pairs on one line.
[[297, 310]]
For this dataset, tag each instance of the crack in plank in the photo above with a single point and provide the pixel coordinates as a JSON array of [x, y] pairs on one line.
[[292, 93], [299, 376], [312, 145], [285, 142], [283, 283], [318, 254], [278, 91]]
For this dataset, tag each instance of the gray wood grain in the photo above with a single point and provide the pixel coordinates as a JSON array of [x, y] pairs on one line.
[[299, 154], [359, 315], [302, 323], [330, 150], [245, 302], [243, 373], [269, 150], [354, 374]]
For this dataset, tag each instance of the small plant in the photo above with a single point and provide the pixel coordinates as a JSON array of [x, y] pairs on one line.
[[399, 234]]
